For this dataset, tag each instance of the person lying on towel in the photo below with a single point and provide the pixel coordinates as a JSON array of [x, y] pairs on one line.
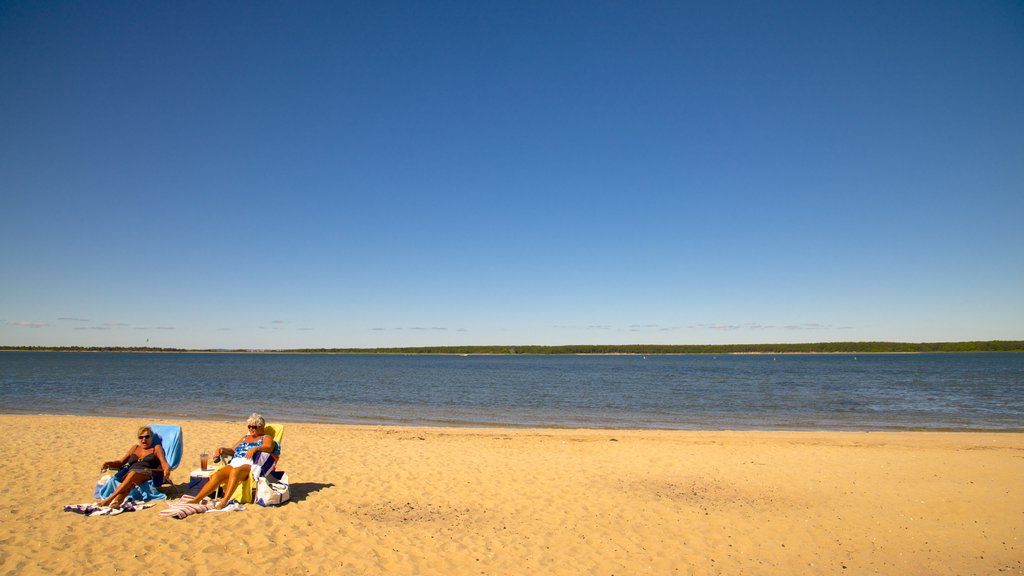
[[138, 465], [253, 455]]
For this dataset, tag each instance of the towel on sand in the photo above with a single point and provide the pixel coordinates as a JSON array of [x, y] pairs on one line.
[[187, 506], [94, 509]]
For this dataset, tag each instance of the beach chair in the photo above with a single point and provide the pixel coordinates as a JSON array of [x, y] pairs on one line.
[[246, 490], [170, 438]]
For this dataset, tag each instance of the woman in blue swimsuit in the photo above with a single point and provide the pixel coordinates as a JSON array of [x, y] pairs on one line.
[[245, 459], [141, 462]]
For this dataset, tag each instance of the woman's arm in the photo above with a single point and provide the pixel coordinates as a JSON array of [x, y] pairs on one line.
[[222, 452], [115, 464]]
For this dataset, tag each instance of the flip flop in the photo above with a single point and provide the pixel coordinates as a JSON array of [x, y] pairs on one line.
[[231, 506]]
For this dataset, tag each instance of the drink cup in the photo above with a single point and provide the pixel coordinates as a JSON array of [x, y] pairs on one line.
[[203, 459]]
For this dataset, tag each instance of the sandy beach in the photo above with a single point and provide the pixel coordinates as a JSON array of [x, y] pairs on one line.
[[393, 500]]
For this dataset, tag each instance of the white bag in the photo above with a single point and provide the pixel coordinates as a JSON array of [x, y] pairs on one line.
[[272, 494]]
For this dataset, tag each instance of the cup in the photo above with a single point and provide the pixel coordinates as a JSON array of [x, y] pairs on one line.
[[203, 459]]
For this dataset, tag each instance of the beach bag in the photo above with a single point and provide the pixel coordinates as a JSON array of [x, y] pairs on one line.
[[272, 493]]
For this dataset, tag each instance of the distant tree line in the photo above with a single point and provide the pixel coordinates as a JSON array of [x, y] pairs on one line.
[[813, 348], [94, 349]]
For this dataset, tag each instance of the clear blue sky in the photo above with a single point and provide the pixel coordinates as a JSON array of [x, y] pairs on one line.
[[346, 174]]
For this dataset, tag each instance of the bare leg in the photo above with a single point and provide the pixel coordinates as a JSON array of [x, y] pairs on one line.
[[237, 475], [130, 481], [121, 491], [219, 477]]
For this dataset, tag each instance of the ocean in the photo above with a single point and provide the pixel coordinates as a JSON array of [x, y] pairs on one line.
[[694, 392]]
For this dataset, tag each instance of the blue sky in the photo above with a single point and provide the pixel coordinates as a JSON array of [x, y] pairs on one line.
[[342, 174]]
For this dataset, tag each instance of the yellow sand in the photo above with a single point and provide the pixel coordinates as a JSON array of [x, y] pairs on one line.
[[384, 500]]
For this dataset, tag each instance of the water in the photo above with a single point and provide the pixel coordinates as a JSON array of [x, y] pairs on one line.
[[841, 392]]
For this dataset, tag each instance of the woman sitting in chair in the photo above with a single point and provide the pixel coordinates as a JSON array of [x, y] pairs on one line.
[[253, 455], [140, 464]]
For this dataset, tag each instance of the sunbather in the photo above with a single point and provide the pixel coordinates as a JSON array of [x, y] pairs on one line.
[[142, 460], [253, 455]]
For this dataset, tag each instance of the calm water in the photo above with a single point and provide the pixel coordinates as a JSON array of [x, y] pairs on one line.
[[933, 391]]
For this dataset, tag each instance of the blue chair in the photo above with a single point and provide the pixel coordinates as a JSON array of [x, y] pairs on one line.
[[170, 438]]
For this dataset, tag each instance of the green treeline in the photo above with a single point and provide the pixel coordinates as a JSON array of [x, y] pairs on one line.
[[100, 349], [814, 348]]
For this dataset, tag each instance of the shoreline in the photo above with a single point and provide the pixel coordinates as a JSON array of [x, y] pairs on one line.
[[370, 499], [491, 426]]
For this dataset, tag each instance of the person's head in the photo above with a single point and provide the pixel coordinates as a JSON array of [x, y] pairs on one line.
[[145, 435], [256, 423]]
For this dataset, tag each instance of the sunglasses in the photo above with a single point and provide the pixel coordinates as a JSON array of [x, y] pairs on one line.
[[145, 437], [253, 427]]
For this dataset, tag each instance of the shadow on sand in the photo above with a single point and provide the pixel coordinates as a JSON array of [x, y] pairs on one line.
[[300, 490]]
